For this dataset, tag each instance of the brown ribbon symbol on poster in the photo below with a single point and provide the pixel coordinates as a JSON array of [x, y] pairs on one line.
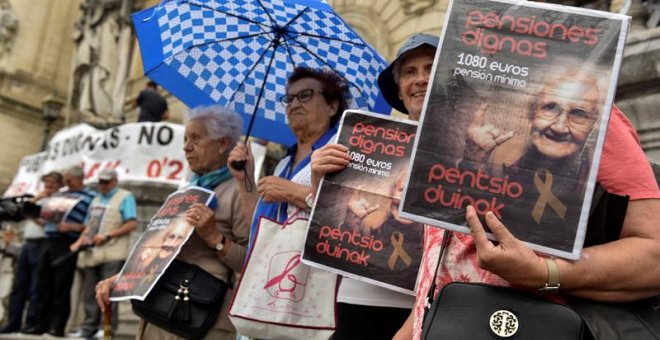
[[546, 197], [398, 252]]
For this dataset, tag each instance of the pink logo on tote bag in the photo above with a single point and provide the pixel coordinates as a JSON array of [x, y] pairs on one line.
[[286, 277]]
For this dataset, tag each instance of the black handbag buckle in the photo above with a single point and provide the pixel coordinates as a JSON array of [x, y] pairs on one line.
[[183, 292]]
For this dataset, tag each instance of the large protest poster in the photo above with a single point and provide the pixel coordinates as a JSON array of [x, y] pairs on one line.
[[355, 229], [515, 119], [160, 243]]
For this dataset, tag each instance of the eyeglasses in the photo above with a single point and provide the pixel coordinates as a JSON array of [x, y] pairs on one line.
[[303, 97], [577, 118]]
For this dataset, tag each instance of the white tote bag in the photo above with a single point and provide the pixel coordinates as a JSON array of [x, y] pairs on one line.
[[279, 297]]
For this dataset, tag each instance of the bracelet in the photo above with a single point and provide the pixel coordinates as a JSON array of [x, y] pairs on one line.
[[552, 285], [309, 200]]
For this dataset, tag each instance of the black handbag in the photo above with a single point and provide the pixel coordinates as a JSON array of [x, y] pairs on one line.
[[480, 311], [185, 301]]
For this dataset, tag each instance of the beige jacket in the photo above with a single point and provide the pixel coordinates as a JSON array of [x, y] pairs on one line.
[[115, 249]]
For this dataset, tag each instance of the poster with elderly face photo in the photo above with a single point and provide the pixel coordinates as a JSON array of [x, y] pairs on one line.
[[355, 229], [515, 118], [160, 243]]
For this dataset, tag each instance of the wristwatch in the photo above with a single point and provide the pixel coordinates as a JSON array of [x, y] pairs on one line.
[[220, 245], [552, 286], [108, 237]]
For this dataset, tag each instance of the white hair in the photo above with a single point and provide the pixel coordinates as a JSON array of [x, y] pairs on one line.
[[75, 171], [219, 121]]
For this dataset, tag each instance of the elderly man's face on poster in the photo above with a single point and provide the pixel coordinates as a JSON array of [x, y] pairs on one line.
[[173, 238], [565, 113]]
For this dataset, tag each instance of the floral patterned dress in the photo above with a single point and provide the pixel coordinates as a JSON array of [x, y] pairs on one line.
[[459, 264]]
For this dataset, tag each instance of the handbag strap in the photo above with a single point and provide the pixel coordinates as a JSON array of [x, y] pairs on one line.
[[293, 216], [431, 292]]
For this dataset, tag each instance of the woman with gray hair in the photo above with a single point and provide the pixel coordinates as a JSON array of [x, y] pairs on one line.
[[219, 242], [220, 122]]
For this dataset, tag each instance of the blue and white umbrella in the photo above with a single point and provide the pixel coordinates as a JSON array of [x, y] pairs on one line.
[[239, 53]]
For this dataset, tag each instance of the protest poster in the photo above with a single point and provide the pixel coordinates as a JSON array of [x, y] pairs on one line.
[[95, 215], [515, 119], [355, 229], [56, 208], [160, 243]]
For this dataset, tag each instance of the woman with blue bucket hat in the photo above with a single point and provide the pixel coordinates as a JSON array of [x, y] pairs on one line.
[[367, 311]]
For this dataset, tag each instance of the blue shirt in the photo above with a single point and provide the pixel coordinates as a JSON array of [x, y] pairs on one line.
[[77, 215], [269, 210]]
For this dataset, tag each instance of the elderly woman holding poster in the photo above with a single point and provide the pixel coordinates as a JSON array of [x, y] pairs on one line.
[[314, 102], [604, 273], [218, 243], [367, 311]]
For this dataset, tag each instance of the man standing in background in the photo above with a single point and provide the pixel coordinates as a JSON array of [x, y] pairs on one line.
[[111, 218], [152, 106], [23, 287], [53, 301]]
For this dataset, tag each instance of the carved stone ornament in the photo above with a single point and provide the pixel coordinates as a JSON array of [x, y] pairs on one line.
[[102, 36], [8, 27], [417, 7]]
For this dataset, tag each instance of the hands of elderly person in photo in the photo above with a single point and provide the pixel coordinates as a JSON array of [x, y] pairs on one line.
[[361, 207], [329, 158], [511, 259], [103, 289], [241, 152], [203, 219], [482, 137]]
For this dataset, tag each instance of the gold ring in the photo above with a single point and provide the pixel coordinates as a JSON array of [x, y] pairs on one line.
[[197, 217]]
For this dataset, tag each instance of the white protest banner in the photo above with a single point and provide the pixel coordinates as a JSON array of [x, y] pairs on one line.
[[26, 180], [139, 152]]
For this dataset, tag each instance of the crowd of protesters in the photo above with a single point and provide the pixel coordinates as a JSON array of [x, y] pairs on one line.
[[618, 271]]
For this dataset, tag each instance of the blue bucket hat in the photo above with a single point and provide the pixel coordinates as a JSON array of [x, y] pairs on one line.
[[388, 86]]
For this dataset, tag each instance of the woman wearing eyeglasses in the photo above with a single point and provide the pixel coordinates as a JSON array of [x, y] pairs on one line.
[[314, 102]]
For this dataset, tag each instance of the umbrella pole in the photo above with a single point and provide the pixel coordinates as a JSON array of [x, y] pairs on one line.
[[240, 165]]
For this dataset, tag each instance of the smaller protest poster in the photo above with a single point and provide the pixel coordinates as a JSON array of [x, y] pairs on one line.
[[94, 219], [515, 118], [355, 229], [160, 243], [56, 208]]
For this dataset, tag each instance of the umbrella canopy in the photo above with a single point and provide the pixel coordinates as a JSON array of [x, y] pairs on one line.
[[239, 53]]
